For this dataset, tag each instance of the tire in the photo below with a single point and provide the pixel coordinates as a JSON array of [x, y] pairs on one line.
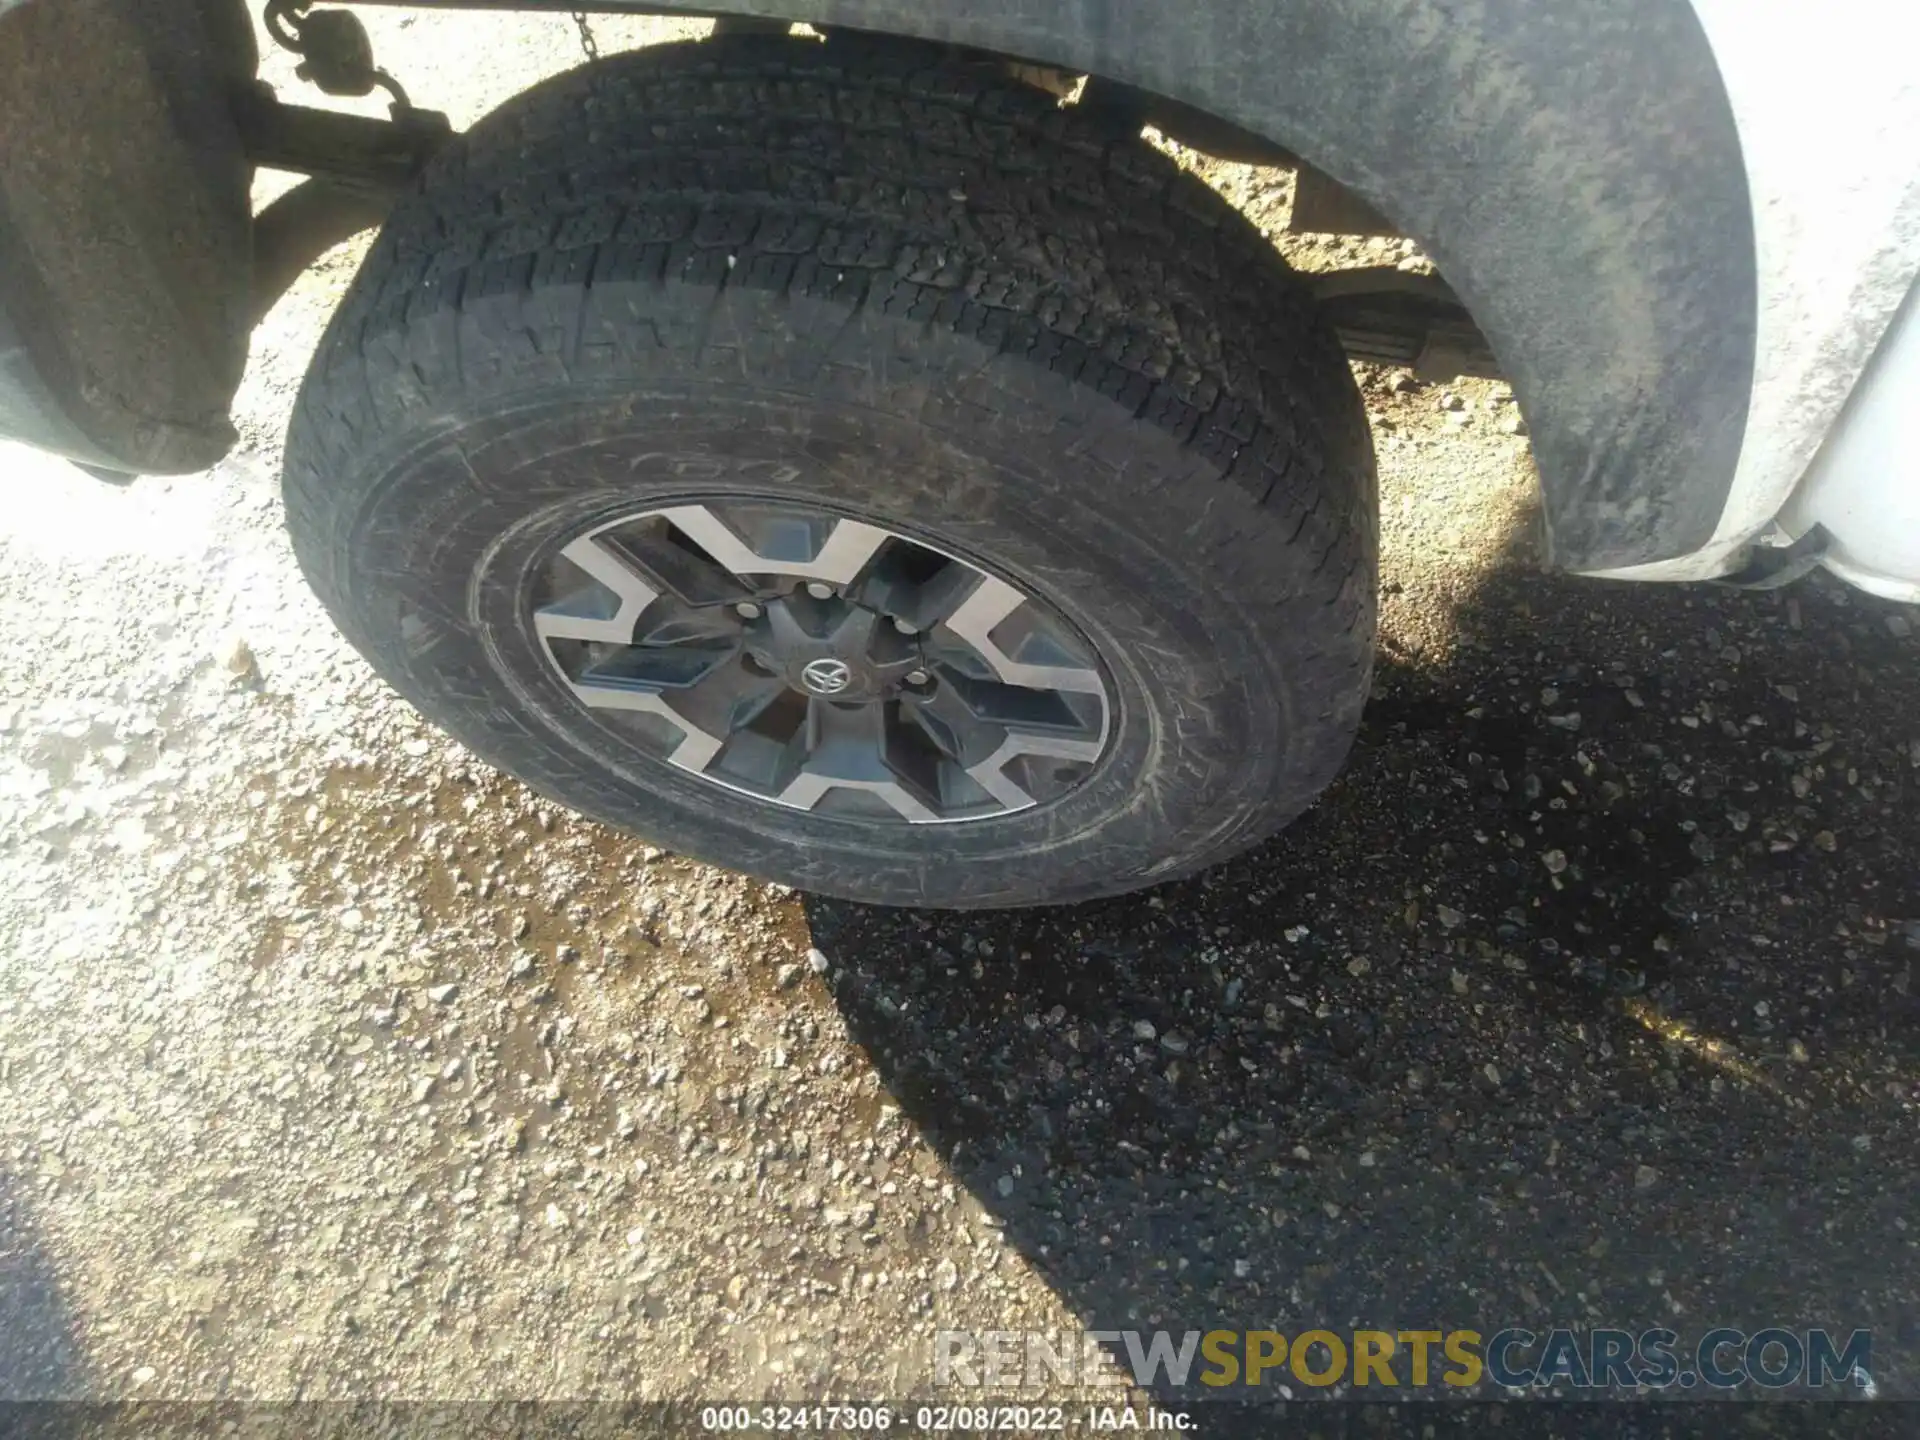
[[883, 283]]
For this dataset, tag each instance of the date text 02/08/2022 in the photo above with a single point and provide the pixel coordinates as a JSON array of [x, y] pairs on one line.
[[938, 1419]]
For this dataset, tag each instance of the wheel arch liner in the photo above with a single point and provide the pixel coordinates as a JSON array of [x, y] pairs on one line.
[[1572, 168]]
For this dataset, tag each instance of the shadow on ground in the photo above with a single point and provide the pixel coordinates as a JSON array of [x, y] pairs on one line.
[[40, 1355], [1586, 997]]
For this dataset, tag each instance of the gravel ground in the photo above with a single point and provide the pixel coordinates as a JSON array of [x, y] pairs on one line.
[[335, 1064]]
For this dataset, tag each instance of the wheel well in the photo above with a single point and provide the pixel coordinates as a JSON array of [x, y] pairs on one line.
[[1384, 314], [1573, 171]]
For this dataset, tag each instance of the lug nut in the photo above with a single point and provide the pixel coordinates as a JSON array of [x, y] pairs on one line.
[[916, 677], [905, 627], [747, 610], [819, 590]]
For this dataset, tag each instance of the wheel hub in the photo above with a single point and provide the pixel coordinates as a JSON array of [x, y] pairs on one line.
[[832, 648], [821, 662]]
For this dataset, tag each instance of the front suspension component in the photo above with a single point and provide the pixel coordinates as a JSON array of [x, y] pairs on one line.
[[336, 54]]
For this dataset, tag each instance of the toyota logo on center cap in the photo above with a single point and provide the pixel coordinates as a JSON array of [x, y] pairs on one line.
[[826, 676]]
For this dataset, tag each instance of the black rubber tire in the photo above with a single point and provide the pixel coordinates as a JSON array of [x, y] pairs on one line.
[[894, 282]]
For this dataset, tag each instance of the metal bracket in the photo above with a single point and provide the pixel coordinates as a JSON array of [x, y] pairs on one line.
[[1397, 317], [1769, 567]]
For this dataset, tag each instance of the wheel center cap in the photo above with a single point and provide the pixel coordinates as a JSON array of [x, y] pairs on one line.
[[829, 675]]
